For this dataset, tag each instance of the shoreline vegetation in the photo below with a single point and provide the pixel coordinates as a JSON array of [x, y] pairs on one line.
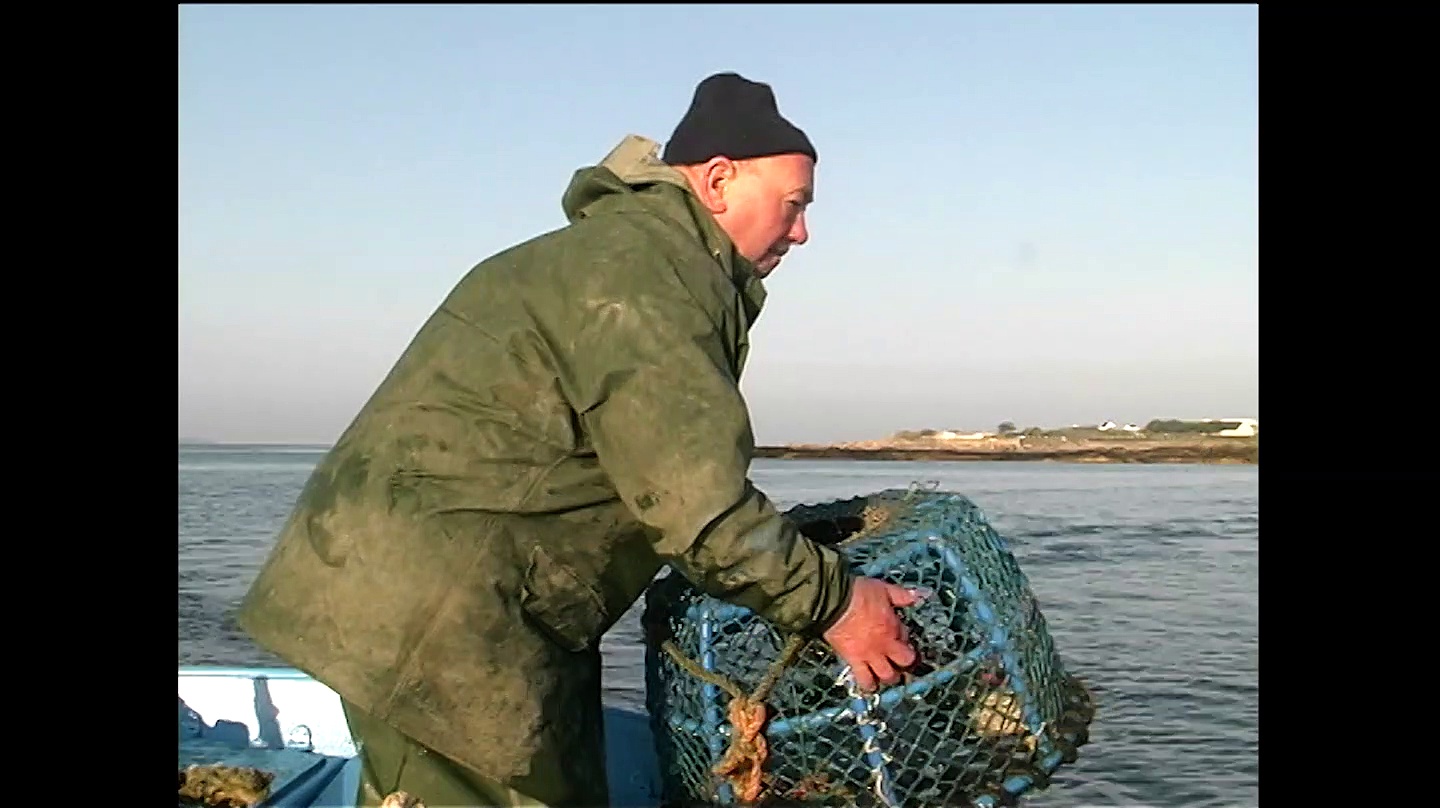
[[1157, 442], [1210, 441]]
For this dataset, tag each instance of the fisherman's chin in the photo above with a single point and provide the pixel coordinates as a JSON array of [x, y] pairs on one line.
[[766, 265]]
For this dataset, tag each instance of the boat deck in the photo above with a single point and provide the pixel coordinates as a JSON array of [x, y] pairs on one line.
[[281, 721]]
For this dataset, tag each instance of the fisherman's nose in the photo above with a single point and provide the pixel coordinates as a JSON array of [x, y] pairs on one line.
[[799, 233]]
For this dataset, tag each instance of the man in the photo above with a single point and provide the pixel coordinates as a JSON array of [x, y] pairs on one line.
[[566, 423]]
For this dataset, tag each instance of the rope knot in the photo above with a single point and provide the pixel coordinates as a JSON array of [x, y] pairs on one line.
[[744, 761]]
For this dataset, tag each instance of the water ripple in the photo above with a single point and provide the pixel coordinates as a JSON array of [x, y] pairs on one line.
[[1147, 576]]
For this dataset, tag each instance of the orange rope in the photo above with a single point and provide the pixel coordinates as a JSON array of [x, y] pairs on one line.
[[744, 761]]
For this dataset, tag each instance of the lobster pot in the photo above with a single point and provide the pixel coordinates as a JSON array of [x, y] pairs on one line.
[[988, 714]]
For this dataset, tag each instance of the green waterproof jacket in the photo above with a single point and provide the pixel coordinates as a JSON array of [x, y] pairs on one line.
[[566, 423]]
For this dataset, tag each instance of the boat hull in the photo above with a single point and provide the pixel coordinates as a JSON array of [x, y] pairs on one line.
[[283, 721]]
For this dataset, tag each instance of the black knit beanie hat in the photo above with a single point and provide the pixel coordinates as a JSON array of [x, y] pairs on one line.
[[734, 117]]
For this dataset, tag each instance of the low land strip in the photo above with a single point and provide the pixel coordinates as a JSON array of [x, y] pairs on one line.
[[1064, 446]]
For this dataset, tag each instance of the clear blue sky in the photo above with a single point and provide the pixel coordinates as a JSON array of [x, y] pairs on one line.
[[1043, 214]]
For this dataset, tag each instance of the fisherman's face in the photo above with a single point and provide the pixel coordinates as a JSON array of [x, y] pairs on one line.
[[764, 205]]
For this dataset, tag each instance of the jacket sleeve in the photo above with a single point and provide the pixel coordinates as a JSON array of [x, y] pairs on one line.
[[672, 431]]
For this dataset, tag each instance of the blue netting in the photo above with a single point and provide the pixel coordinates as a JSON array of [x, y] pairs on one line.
[[987, 715]]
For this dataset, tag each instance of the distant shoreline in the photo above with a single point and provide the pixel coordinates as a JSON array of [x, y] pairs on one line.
[[1199, 450], [1159, 449]]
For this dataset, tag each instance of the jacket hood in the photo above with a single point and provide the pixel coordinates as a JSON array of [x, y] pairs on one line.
[[630, 167], [623, 178]]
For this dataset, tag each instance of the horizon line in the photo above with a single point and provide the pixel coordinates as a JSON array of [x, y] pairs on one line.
[[183, 441]]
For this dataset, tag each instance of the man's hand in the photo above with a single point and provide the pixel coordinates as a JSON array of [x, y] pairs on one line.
[[869, 636]]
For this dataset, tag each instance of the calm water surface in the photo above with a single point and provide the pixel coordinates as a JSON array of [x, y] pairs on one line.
[[1148, 577]]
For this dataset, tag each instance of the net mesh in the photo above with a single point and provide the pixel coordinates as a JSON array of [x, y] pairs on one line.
[[743, 715]]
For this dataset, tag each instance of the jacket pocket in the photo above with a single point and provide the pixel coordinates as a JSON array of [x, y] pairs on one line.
[[565, 608]]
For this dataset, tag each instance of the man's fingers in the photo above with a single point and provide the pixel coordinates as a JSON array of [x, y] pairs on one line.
[[863, 678], [900, 596], [884, 665], [884, 671], [876, 642], [902, 654]]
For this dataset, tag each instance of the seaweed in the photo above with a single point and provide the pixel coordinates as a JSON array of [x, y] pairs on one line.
[[217, 786]]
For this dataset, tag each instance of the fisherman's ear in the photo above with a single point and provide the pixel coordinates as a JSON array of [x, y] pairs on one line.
[[716, 177]]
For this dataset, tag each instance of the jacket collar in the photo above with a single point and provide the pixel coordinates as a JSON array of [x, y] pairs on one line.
[[636, 161]]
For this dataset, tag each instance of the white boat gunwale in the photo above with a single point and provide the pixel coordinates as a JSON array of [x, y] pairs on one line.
[[305, 718]]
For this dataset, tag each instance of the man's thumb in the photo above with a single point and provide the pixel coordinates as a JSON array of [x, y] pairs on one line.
[[900, 596]]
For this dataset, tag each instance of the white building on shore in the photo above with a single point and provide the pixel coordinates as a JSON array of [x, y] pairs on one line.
[[1246, 427], [1243, 427]]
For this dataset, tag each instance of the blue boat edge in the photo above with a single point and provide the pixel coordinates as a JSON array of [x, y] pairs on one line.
[[283, 721]]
